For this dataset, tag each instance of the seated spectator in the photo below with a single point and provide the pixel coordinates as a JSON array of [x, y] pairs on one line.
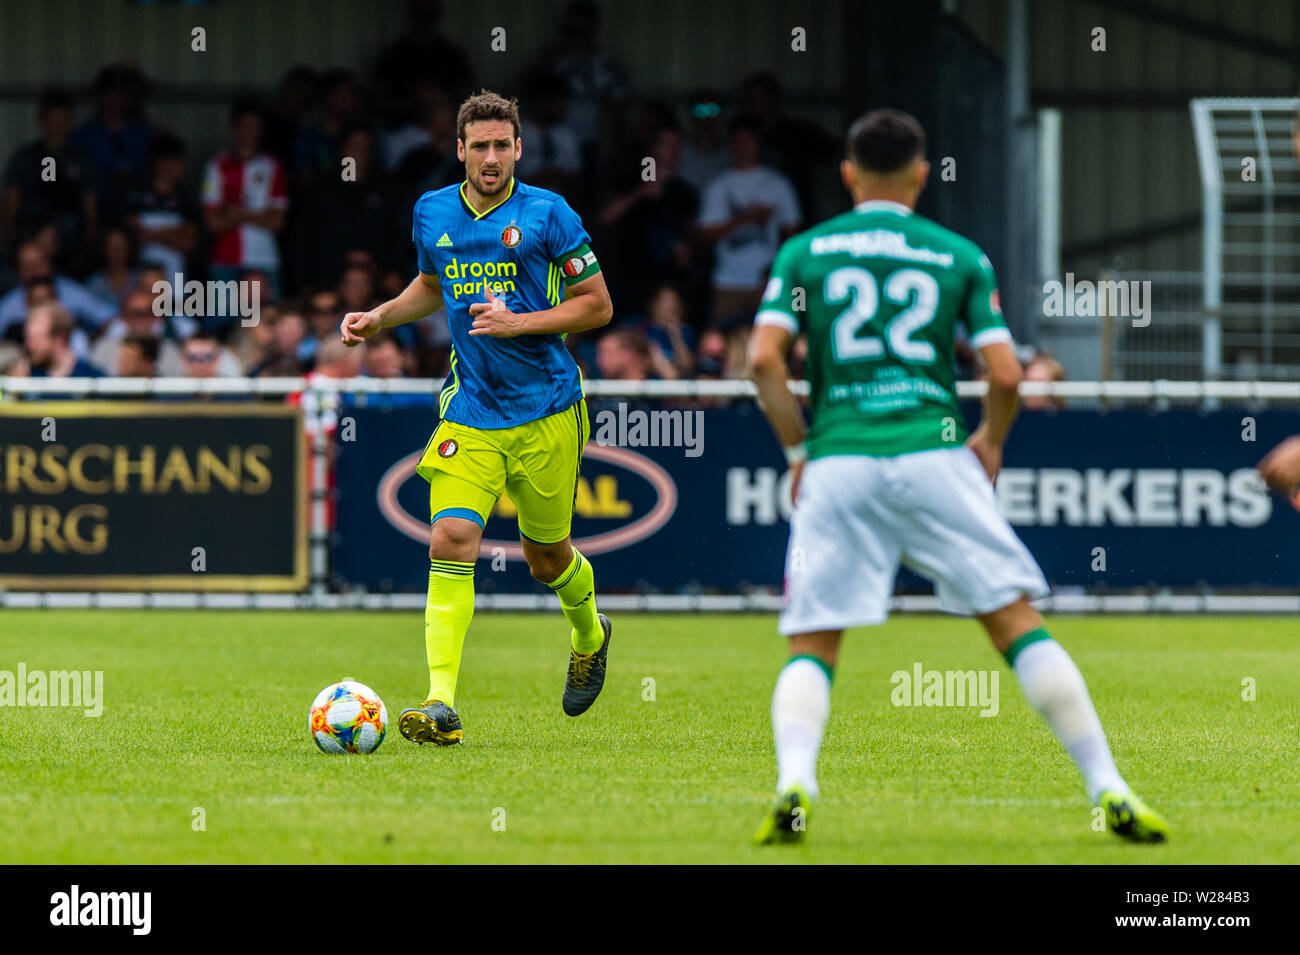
[[293, 97], [666, 327], [336, 360], [138, 320], [118, 273], [245, 200], [163, 216], [747, 211], [202, 353], [626, 354], [324, 314], [291, 347], [799, 149], [384, 357], [33, 262], [137, 357], [37, 193], [1043, 368], [46, 338]]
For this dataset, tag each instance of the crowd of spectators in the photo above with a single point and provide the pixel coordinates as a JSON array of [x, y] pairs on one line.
[[311, 197]]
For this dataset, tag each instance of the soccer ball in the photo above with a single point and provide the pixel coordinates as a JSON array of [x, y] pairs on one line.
[[348, 717]]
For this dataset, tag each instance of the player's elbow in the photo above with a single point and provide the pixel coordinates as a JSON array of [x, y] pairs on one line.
[[764, 361], [604, 312], [1006, 376]]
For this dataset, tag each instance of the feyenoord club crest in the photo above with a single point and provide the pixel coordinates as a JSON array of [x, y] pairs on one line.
[[448, 448], [573, 266], [511, 236]]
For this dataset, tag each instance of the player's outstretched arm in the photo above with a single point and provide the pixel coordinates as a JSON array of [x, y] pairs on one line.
[[586, 306], [1000, 405], [422, 297]]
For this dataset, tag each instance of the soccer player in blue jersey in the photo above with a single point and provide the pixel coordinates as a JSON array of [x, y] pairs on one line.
[[513, 265]]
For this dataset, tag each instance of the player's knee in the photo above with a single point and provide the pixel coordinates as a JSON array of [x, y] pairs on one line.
[[454, 538], [547, 565]]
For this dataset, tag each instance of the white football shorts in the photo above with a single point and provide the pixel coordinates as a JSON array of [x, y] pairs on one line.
[[857, 518]]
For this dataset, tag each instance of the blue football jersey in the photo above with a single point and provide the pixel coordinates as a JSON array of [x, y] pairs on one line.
[[528, 248]]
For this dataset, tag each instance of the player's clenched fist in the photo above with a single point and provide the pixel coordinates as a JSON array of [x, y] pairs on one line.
[[358, 326]]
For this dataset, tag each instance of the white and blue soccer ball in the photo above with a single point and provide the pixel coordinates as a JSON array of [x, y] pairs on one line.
[[348, 717]]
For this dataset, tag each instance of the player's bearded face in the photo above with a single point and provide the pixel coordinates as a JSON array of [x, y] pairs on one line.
[[489, 150]]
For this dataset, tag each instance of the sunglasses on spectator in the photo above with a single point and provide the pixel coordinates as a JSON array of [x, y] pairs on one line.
[[201, 356]]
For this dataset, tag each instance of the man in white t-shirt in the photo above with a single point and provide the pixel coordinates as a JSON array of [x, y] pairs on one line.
[[747, 211]]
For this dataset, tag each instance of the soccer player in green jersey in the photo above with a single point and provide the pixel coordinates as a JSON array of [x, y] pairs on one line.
[[512, 265], [888, 475]]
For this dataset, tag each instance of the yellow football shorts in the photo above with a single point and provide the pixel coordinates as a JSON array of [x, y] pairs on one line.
[[535, 463]]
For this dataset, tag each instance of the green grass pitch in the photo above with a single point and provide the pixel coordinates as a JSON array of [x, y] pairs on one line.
[[672, 765]]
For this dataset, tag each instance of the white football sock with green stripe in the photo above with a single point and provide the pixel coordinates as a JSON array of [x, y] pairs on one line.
[[801, 704], [1055, 688]]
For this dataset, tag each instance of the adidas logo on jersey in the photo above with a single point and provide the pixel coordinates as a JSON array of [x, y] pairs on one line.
[[444, 242]]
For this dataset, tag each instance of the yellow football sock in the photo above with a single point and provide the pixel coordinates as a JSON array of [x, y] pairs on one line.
[[576, 588], [446, 619]]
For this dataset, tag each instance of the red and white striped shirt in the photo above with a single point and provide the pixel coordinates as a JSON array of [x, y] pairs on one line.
[[258, 184]]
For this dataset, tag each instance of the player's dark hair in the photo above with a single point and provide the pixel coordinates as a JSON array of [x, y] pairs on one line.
[[885, 140], [487, 105]]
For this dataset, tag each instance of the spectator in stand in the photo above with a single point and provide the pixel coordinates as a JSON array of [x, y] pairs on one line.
[[597, 84], [291, 347], [323, 313], [387, 360], [747, 211], [654, 220], [552, 156], [432, 164], [47, 335], [245, 198], [1043, 367], [202, 353], [704, 154], [116, 139], [666, 328], [50, 180], [137, 357], [341, 214], [797, 148], [422, 55], [356, 289], [163, 215], [118, 273], [336, 360], [318, 148], [626, 354], [33, 263], [284, 119], [138, 319]]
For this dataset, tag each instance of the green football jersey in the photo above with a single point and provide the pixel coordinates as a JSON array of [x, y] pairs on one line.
[[879, 291]]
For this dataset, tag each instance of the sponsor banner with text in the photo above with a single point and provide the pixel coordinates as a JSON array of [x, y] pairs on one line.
[[119, 495], [700, 501]]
